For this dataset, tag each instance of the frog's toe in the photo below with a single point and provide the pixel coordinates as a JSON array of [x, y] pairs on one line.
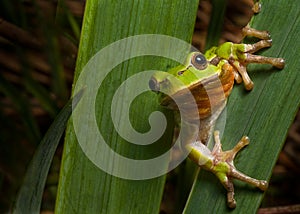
[[242, 71], [252, 48], [276, 62], [231, 203], [244, 141], [256, 7], [263, 185], [248, 31]]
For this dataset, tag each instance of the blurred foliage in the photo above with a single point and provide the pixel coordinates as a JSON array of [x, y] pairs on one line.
[[37, 58]]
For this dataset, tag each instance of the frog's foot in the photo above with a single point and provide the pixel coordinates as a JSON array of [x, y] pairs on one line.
[[224, 159], [221, 164], [251, 58], [228, 156], [245, 56]]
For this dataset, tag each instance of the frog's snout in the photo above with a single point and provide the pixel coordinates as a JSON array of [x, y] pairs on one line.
[[154, 84]]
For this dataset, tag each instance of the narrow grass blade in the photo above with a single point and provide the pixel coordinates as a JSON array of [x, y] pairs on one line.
[[30, 195]]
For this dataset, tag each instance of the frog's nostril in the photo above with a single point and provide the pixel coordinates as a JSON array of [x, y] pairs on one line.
[[153, 84]]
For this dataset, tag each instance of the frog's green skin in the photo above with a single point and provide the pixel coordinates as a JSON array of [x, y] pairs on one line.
[[210, 78]]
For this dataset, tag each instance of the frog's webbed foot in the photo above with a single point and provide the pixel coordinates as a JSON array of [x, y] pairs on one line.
[[224, 159], [229, 155], [221, 164], [244, 53]]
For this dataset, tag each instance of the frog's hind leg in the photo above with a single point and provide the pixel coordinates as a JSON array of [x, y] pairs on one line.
[[234, 173], [228, 157]]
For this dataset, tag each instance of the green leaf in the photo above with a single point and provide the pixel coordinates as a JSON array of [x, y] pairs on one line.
[[30, 195], [84, 187], [264, 114]]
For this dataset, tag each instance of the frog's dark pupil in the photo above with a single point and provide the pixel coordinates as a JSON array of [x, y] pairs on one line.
[[199, 62], [200, 59]]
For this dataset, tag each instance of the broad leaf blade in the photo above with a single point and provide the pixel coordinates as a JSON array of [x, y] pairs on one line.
[[84, 187], [263, 114]]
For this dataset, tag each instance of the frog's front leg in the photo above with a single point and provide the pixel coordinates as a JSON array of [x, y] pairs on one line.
[[264, 43], [221, 164], [243, 54]]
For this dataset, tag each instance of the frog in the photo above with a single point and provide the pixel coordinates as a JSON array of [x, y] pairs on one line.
[[210, 77]]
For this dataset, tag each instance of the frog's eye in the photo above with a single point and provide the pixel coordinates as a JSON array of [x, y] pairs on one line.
[[199, 61]]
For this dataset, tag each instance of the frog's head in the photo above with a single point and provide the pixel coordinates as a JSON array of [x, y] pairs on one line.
[[195, 72]]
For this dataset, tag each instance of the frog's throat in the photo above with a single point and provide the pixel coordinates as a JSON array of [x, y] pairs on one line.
[[209, 94]]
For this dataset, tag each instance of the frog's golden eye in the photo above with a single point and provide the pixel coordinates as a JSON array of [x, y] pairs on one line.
[[199, 61]]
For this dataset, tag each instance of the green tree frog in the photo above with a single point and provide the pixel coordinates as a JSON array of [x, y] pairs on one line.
[[201, 74]]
